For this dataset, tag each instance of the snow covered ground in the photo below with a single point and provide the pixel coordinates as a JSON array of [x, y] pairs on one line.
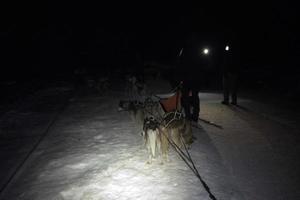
[[92, 151], [259, 148]]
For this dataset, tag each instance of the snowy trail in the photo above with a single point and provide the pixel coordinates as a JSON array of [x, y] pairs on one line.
[[255, 149], [23, 127], [95, 152]]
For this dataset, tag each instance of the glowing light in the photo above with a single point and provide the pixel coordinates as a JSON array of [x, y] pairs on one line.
[[227, 48], [180, 53], [205, 51]]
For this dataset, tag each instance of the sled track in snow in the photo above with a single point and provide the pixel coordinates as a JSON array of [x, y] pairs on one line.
[[33, 149]]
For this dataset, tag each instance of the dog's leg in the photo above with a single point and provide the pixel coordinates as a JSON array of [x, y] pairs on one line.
[[149, 159], [175, 137], [139, 117], [164, 143], [159, 145], [151, 144], [143, 134], [187, 134]]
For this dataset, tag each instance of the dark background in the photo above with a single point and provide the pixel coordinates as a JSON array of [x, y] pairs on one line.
[[52, 39]]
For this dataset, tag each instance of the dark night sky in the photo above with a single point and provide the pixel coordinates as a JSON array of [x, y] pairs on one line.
[[64, 35]]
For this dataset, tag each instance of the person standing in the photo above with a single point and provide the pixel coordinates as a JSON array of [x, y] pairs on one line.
[[189, 76], [230, 73]]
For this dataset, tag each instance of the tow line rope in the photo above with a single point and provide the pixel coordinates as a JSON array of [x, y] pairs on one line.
[[186, 157]]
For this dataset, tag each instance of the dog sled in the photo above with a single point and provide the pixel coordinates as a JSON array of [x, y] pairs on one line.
[[171, 101], [167, 128]]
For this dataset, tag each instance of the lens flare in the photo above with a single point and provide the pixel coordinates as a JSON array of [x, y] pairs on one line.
[[205, 51]]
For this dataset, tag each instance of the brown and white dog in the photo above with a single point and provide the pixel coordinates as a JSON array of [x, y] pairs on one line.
[[154, 140], [157, 137], [135, 109], [179, 132]]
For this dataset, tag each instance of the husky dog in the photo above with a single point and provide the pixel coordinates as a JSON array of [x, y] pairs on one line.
[[179, 131], [135, 87], [153, 109], [136, 112], [135, 108], [102, 84], [156, 142]]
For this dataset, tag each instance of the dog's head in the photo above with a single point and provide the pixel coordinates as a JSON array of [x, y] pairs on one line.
[[129, 105], [150, 123]]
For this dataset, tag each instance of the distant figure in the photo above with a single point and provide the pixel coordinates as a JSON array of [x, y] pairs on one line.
[[189, 76], [79, 76], [136, 87], [230, 72], [190, 100]]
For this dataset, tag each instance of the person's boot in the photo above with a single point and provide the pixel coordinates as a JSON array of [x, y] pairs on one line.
[[234, 99], [225, 102], [233, 103]]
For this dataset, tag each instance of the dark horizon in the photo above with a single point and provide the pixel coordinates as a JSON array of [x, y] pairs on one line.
[[54, 38]]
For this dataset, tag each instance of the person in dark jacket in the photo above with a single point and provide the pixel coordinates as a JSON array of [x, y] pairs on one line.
[[230, 73], [189, 75]]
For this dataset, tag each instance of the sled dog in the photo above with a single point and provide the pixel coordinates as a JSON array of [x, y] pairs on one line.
[[153, 109], [135, 109], [179, 130], [155, 142], [135, 88]]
